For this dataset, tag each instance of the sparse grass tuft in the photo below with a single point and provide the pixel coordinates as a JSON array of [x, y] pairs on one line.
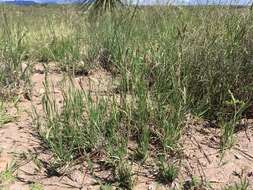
[[36, 186], [106, 187], [167, 173], [229, 121], [242, 185], [196, 183], [4, 116], [7, 176], [123, 175]]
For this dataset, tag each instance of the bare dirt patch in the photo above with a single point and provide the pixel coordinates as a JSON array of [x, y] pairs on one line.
[[204, 159]]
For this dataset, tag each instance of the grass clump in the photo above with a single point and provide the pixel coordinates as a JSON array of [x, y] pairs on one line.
[[36, 186], [123, 174], [196, 183], [4, 116], [106, 187], [229, 121], [13, 50], [7, 175], [79, 127], [44, 34], [167, 173], [242, 185], [198, 60]]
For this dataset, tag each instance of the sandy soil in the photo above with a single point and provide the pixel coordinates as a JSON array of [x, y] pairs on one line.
[[201, 158]]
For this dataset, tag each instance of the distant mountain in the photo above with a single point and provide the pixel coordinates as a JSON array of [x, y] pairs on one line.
[[25, 3], [48, 2], [29, 2], [75, 1], [40, 2]]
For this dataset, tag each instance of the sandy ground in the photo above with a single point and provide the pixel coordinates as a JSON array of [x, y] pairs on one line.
[[201, 158]]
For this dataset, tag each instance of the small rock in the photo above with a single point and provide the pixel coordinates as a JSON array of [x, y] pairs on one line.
[[250, 174], [237, 157], [27, 96]]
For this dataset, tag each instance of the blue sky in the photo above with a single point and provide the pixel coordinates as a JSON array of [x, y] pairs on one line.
[[219, 2], [152, 2]]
